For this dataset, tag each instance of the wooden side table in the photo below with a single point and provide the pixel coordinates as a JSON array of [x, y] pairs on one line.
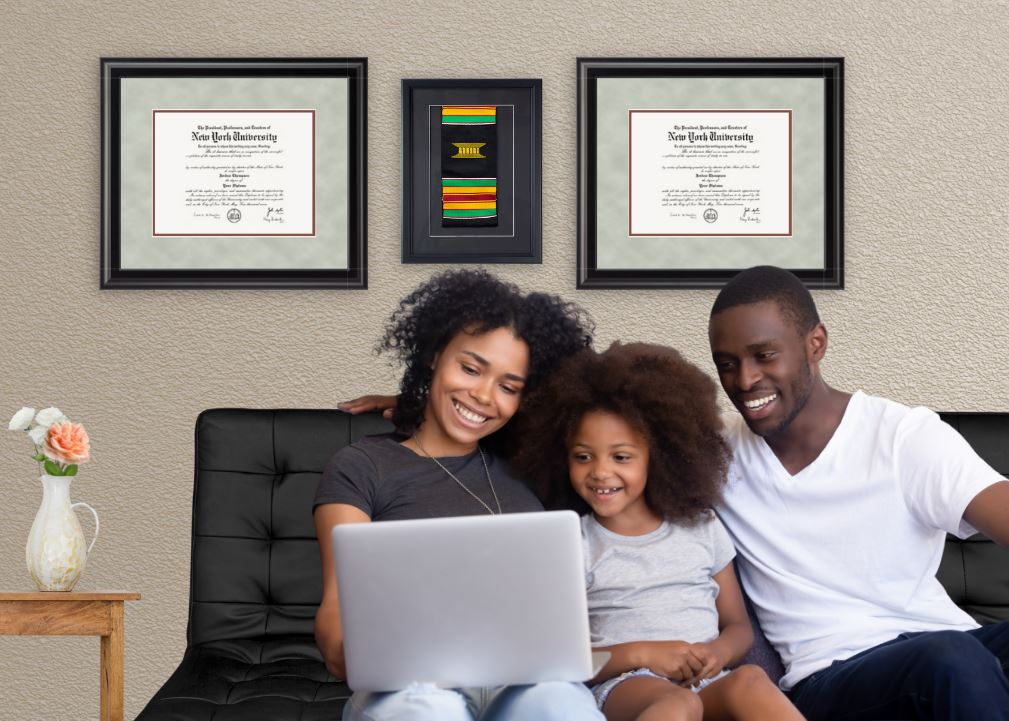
[[75, 614]]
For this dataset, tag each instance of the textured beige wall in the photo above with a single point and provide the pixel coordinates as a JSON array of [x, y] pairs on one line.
[[923, 319]]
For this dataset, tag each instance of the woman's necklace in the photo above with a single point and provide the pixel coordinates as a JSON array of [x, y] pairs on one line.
[[463, 485]]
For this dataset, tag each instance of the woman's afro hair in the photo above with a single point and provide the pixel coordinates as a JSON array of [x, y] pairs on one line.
[[475, 301], [665, 398]]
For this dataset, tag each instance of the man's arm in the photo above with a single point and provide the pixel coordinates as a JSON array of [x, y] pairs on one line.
[[989, 512], [386, 404]]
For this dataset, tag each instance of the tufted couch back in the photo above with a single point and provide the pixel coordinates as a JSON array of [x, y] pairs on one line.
[[255, 558]]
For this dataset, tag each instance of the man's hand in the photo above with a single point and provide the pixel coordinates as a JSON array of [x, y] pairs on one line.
[[363, 404]]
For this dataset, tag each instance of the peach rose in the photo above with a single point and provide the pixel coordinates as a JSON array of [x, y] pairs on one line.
[[67, 442]]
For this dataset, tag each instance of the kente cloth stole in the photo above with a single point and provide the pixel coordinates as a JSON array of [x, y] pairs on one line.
[[469, 165]]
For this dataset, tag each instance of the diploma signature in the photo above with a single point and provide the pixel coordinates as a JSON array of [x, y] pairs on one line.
[[750, 215], [274, 215]]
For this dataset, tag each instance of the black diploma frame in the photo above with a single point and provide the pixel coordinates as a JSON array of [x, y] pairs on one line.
[[612, 253], [327, 96], [517, 238]]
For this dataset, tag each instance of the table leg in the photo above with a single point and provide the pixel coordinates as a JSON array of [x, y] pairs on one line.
[[112, 666]]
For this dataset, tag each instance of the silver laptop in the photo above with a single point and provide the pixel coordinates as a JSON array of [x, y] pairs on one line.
[[463, 601]]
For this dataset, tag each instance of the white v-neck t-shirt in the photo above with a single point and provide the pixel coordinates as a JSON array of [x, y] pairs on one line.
[[842, 556]]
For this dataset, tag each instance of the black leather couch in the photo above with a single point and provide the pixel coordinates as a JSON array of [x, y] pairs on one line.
[[255, 581]]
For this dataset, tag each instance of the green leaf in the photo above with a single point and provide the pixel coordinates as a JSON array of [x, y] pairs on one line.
[[70, 470], [39, 457], [52, 469]]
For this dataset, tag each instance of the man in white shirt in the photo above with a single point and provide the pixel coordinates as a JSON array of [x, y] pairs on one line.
[[838, 505]]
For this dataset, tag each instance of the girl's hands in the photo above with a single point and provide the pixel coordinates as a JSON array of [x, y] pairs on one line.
[[672, 659], [688, 663], [711, 661], [685, 663]]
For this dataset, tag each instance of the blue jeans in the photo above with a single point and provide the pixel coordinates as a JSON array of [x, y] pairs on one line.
[[938, 675], [553, 701]]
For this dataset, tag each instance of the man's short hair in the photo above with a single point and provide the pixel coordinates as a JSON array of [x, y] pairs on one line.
[[767, 282]]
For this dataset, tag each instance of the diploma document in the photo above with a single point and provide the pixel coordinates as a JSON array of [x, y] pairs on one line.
[[234, 172], [710, 172]]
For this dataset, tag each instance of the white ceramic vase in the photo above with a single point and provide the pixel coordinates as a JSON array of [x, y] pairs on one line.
[[55, 552]]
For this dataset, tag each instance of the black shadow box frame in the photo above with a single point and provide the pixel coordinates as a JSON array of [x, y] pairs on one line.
[[518, 238]]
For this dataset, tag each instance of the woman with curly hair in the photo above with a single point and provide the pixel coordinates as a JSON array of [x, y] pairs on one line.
[[633, 437], [472, 346]]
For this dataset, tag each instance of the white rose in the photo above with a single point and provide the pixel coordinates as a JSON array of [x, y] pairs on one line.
[[22, 419], [38, 434], [47, 416]]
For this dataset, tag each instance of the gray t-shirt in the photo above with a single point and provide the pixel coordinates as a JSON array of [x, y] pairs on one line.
[[390, 482], [655, 587]]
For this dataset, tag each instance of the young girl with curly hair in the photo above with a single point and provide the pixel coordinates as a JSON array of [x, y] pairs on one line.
[[472, 346], [632, 437]]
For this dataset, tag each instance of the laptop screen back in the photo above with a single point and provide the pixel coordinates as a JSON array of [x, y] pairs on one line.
[[463, 601]]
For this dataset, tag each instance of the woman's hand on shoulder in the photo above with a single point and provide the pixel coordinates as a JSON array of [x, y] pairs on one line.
[[363, 404]]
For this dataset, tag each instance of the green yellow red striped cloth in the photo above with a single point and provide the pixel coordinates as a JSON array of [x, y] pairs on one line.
[[469, 197], [468, 114], [469, 165]]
